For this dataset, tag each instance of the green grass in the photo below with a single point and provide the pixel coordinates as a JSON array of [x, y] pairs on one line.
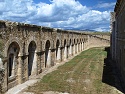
[[81, 74]]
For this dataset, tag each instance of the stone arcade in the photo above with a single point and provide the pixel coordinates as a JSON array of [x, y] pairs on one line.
[[27, 50]]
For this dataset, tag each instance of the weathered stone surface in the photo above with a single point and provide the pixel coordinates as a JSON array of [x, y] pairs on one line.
[[27, 50]]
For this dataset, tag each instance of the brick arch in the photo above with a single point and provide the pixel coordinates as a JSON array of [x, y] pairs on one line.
[[57, 41], [44, 43], [9, 42], [32, 58], [28, 43]]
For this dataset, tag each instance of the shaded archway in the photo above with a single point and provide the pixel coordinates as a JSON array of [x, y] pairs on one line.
[[58, 54], [13, 52], [32, 59], [12, 64], [47, 54]]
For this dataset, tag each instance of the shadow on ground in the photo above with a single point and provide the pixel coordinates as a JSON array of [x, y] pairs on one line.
[[111, 74]]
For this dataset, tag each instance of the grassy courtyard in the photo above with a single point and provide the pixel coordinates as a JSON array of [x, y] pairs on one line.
[[81, 75]]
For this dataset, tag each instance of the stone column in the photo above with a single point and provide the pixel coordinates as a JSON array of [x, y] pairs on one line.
[[65, 53], [77, 48], [59, 54], [2, 74], [4, 84], [82, 46], [13, 67], [74, 51], [70, 51], [39, 63], [25, 67], [34, 66], [49, 58], [20, 59]]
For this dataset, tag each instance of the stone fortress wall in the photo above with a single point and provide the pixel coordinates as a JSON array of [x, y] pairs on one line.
[[118, 37], [27, 50]]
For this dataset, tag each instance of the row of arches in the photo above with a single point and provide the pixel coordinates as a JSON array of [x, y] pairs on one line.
[[20, 67]]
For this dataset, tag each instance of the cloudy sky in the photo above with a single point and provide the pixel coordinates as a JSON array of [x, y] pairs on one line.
[[64, 14]]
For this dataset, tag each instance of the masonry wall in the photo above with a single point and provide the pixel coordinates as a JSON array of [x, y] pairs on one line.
[[118, 37], [27, 50]]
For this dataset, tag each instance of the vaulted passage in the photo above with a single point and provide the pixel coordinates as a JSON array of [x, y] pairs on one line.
[[12, 64], [12, 60], [32, 59]]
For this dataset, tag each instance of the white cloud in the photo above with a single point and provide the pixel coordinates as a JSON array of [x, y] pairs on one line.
[[106, 5], [66, 14]]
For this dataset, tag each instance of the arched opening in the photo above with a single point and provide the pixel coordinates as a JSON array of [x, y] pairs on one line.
[[65, 50], [47, 54], [13, 52], [32, 59], [58, 55]]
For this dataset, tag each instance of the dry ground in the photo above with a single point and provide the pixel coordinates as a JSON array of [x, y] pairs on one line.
[[88, 73]]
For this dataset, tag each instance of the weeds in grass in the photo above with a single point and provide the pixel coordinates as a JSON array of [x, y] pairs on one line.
[[81, 74]]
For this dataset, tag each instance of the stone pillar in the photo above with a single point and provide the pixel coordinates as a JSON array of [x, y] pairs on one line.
[[65, 53], [13, 67], [70, 50], [2, 75], [49, 58], [34, 66], [59, 54], [3, 86], [82, 46], [77, 48], [20, 59], [74, 51], [39, 63], [25, 67]]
